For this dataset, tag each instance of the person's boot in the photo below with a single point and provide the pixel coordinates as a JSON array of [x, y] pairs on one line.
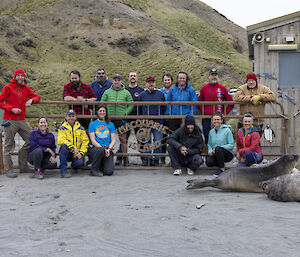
[[125, 161], [12, 174], [163, 160], [118, 161]]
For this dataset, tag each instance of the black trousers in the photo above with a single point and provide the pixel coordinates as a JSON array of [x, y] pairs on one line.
[[178, 160], [41, 159], [101, 162], [219, 158]]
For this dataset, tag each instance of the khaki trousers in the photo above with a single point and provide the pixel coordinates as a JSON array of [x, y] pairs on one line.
[[21, 127]]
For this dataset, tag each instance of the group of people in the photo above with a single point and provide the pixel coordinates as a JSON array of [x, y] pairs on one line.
[[79, 137]]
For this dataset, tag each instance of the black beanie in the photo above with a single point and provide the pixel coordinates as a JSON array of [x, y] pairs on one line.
[[189, 120]]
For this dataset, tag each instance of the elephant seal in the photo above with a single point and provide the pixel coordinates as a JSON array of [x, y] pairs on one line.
[[247, 179], [285, 188]]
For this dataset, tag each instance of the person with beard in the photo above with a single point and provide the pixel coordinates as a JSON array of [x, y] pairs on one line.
[[213, 91], [182, 91], [101, 83], [135, 90], [167, 80], [78, 91], [185, 147], [14, 98]]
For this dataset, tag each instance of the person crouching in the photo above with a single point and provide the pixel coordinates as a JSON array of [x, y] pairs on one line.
[[185, 147]]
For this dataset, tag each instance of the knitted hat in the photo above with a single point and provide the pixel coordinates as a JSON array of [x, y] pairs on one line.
[[189, 120], [19, 71], [251, 75], [70, 112]]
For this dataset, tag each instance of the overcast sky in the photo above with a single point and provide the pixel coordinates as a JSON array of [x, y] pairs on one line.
[[245, 13]]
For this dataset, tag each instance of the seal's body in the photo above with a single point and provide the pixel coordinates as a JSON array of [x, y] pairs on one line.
[[285, 188], [248, 179]]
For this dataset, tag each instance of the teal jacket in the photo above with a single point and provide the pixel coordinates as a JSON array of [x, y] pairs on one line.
[[121, 95], [222, 138]]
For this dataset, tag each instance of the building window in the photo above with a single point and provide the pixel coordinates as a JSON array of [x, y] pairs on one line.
[[289, 70]]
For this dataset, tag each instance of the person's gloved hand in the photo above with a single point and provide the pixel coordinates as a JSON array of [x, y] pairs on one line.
[[255, 99]]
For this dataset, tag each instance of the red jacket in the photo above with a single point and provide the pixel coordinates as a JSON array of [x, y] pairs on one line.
[[15, 96], [215, 92], [248, 142]]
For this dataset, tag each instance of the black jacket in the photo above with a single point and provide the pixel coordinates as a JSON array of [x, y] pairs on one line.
[[193, 142]]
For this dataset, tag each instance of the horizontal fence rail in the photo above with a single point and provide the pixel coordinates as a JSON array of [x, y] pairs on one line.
[[57, 110]]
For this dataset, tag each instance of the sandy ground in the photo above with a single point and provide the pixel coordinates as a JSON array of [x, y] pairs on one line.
[[140, 213]]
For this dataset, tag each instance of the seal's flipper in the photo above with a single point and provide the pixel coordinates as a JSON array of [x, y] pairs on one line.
[[200, 183]]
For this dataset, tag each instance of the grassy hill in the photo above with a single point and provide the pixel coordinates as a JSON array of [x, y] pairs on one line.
[[49, 38]]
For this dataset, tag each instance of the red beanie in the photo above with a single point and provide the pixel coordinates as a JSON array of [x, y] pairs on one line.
[[19, 71], [251, 75]]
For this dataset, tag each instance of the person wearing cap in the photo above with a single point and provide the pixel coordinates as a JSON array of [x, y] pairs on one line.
[[101, 83], [185, 147], [213, 91], [182, 91], [73, 142], [253, 98], [220, 144], [151, 94], [14, 98], [80, 92], [134, 89], [118, 93]]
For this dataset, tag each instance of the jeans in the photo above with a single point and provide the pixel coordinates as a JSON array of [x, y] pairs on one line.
[[65, 156], [250, 158], [178, 160], [206, 128], [41, 159], [157, 136]]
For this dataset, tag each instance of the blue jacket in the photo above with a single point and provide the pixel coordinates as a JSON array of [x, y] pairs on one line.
[[167, 112], [98, 89], [155, 96], [177, 94], [223, 138]]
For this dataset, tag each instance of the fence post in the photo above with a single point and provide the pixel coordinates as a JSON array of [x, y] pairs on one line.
[[297, 136], [1, 155]]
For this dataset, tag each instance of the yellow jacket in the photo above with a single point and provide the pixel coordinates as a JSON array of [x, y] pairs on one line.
[[73, 136], [244, 95]]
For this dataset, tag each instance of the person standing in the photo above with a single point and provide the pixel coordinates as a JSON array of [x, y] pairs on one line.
[[182, 91], [42, 149], [220, 144], [134, 89], [185, 147], [73, 142], [117, 93], [253, 98], [14, 98], [167, 80], [247, 142], [101, 83], [213, 91], [151, 94], [78, 91], [103, 137]]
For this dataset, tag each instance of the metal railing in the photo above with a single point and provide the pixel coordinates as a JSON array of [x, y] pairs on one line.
[[62, 107]]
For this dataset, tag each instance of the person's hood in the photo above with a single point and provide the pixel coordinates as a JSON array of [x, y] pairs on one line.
[[225, 126]]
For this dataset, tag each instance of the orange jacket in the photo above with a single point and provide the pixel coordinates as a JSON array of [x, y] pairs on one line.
[[14, 95]]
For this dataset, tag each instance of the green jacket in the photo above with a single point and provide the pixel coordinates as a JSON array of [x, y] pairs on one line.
[[121, 95]]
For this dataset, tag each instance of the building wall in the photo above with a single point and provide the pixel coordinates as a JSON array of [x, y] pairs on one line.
[[266, 61]]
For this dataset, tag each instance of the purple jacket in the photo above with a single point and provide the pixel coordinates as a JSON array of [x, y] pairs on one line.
[[39, 140]]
